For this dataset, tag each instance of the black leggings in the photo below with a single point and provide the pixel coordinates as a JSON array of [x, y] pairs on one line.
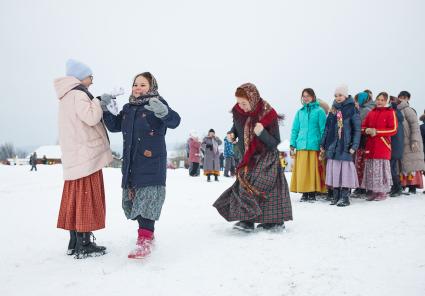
[[146, 223]]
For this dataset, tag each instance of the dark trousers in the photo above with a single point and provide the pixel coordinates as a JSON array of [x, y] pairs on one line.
[[229, 166], [395, 173], [33, 167], [194, 169]]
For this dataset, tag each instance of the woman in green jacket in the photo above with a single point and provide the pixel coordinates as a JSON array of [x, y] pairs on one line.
[[308, 175]]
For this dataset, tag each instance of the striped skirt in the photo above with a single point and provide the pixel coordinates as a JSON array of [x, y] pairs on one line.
[[83, 204]]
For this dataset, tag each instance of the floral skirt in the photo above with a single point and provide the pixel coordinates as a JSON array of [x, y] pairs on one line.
[[360, 163], [147, 202], [377, 175], [341, 174]]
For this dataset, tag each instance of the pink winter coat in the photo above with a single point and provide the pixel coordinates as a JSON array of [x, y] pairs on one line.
[[82, 136], [194, 150]]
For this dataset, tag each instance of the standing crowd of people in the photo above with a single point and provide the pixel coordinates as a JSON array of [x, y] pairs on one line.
[[370, 146]]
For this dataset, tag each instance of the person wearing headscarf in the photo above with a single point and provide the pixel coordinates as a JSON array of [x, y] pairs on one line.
[[144, 122], [260, 193]]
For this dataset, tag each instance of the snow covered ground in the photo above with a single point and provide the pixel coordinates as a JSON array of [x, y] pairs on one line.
[[369, 248]]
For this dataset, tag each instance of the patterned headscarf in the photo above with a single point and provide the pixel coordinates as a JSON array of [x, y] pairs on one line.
[[252, 94], [152, 93]]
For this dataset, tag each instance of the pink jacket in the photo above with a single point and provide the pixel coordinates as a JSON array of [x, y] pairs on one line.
[[82, 136], [194, 150]]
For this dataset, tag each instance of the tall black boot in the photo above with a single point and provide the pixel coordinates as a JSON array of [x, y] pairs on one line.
[[87, 248], [412, 189], [345, 197], [245, 226], [304, 197], [312, 196], [216, 178], [72, 242], [209, 178], [330, 194], [336, 196]]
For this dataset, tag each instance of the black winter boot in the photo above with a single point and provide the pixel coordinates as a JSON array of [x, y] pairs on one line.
[[208, 178], [216, 178], [72, 242], [330, 194], [87, 248], [336, 196], [345, 198], [245, 226], [312, 196], [412, 189], [275, 227], [304, 197]]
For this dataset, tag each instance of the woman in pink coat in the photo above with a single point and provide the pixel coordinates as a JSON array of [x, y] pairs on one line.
[[85, 151], [194, 154]]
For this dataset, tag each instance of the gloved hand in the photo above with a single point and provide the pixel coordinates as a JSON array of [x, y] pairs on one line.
[[209, 146], [105, 99], [157, 107], [112, 107], [352, 151], [415, 147]]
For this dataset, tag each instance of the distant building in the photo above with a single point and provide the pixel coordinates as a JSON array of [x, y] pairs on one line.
[[50, 154]]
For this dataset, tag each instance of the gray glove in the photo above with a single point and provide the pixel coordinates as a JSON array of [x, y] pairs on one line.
[[157, 107], [105, 100]]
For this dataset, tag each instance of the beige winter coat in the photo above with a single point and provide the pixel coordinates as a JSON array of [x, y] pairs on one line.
[[82, 136], [411, 161]]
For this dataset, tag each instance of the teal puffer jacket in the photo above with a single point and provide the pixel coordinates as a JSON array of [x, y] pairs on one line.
[[308, 127]]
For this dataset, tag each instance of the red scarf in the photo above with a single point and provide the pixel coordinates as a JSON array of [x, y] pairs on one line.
[[265, 115]]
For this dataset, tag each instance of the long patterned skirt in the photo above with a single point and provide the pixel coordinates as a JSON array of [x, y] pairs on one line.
[[360, 163], [146, 202], [83, 204], [377, 175], [308, 174], [267, 176]]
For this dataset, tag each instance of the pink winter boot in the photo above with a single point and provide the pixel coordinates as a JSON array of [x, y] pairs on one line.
[[144, 244]]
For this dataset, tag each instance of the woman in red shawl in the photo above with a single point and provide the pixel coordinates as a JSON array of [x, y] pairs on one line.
[[260, 193]]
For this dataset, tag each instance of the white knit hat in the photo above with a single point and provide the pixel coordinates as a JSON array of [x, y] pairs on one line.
[[342, 89]]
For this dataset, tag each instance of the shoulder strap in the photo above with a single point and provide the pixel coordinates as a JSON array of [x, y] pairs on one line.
[[85, 90]]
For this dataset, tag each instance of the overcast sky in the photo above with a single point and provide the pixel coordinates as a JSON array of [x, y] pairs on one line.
[[201, 51]]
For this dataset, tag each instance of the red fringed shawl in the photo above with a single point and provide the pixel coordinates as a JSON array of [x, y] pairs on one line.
[[263, 114]]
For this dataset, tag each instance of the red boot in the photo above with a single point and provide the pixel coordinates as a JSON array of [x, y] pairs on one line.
[[144, 244]]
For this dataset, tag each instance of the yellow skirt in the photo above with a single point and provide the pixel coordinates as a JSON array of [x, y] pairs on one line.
[[308, 173]]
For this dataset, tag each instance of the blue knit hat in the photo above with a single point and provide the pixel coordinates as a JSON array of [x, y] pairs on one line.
[[77, 69], [362, 97]]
